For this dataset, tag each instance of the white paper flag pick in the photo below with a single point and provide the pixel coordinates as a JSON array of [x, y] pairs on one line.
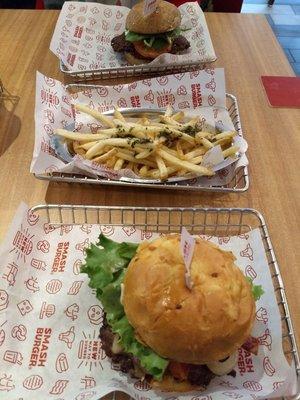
[[187, 245], [149, 6]]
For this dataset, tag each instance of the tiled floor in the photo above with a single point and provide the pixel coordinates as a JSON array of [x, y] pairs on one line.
[[284, 18]]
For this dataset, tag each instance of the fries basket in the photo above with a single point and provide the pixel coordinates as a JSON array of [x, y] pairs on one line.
[[202, 221], [239, 183], [132, 71]]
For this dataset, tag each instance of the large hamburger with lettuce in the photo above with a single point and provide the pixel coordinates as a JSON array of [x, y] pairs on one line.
[[148, 36], [157, 329]]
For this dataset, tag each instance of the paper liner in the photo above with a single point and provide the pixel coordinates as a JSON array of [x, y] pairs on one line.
[[83, 34], [50, 320], [198, 92]]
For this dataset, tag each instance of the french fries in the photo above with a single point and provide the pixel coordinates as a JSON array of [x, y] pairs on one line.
[[156, 147]]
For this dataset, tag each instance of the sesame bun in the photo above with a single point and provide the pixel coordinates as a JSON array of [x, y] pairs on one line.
[[206, 324], [165, 18], [134, 60]]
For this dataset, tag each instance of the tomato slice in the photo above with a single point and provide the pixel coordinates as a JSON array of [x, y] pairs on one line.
[[150, 52], [179, 370]]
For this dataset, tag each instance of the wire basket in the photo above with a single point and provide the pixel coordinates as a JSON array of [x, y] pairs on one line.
[[201, 221], [239, 183]]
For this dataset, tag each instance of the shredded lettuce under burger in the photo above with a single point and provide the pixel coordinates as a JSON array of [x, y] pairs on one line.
[[106, 269], [157, 41]]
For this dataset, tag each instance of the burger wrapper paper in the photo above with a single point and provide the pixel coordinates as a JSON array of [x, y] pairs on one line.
[[50, 320], [83, 33], [200, 93]]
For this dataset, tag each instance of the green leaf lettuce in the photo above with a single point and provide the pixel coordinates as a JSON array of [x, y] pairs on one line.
[[106, 268], [257, 290]]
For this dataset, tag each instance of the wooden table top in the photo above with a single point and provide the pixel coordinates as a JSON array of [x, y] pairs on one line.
[[247, 48]]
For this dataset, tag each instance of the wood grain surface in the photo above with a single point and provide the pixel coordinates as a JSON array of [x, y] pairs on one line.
[[247, 48]]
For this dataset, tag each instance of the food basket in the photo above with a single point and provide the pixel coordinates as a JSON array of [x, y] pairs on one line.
[[201, 221], [239, 183]]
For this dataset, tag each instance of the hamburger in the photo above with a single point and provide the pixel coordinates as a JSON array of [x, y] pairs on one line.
[[157, 329], [148, 36]]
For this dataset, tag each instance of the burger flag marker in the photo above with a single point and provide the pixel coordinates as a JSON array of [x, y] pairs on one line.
[[149, 7], [187, 245]]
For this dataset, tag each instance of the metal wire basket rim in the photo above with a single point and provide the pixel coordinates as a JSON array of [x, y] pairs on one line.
[[132, 68]]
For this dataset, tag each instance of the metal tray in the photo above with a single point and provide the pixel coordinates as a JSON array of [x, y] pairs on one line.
[[208, 221], [133, 71], [239, 183]]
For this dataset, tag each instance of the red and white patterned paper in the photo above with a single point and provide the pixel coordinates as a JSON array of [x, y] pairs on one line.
[[198, 92], [83, 34], [50, 319]]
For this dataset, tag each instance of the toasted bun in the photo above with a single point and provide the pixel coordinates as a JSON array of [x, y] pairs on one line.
[[134, 60], [165, 18], [169, 384], [205, 324]]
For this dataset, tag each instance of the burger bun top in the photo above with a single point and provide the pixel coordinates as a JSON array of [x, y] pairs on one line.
[[165, 18], [198, 326]]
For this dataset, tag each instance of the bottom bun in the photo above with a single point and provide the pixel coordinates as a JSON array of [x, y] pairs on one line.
[[134, 60], [169, 384]]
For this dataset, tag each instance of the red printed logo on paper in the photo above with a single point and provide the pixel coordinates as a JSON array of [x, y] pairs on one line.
[[19, 332], [6, 383], [2, 336], [39, 351], [33, 382], [243, 236], [262, 315], [209, 71], [211, 85], [95, 314], [179, 76], [85, 396], [107, 230], [22, 243], [135, 101], [162, 80], [245, 362], [250, 272], [47, 310], [49, 98], [211, 100], [38, 264], [223, 240], [60, 258], [142, 386], [49, 81], [277, 385], [184, 104], [90, 352], [268, 367], [132, 86], [59, 386], [253, 386], [233, 395], [146, 82], [181, 91], [247, 252], [165, 98], [61, 364], [88, 382], [10, 273], [107, 13], [196, 95], [72, 311], [149, 97], [86, 228], [83, 245], [75, 287], [145, 235], [25, 307], [54, 286], [118, 88], [43, 245], [129, 230], [68, 337], [102, 91], [76, 267], [266, 340], [32, 218], [13, 357], [122, 103], [78, 31]]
